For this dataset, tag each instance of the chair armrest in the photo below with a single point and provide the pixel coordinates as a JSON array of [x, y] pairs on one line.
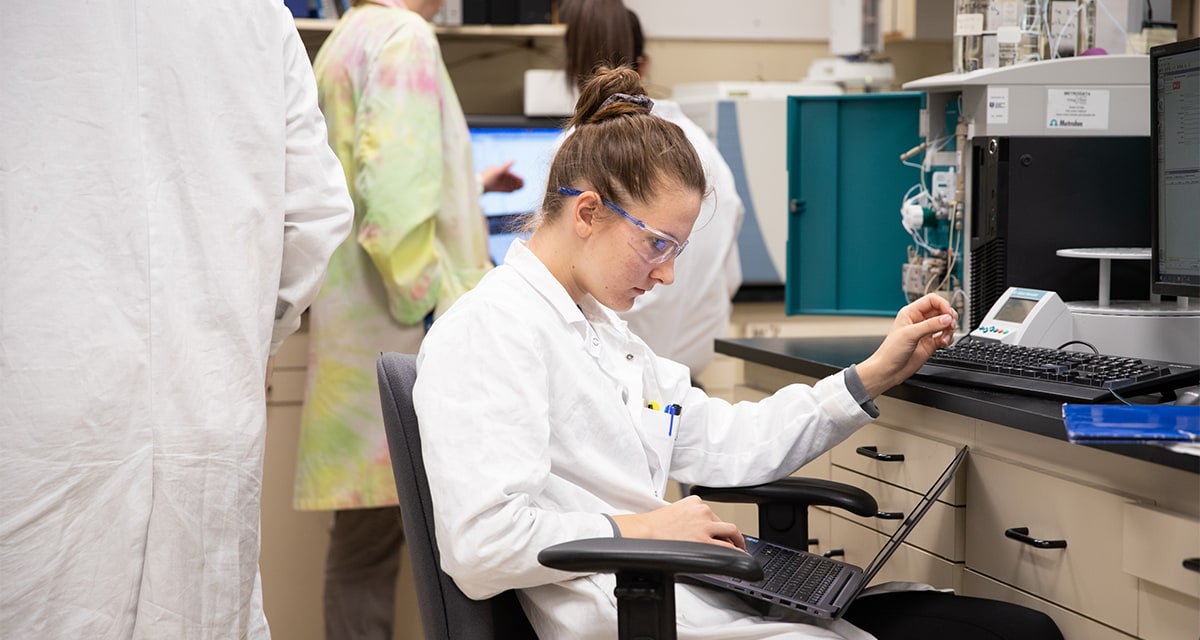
[[613, 555], [797, 491]]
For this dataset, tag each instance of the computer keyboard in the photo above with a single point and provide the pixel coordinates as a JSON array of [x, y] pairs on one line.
[[1070, 376]]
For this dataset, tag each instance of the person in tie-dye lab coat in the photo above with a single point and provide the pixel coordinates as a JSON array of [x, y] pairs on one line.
[[419, 242]]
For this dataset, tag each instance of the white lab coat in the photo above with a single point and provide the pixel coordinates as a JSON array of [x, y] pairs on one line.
[[534, 424], [169, 202], [681, 321]]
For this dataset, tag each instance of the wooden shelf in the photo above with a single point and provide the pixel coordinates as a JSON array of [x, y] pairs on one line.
[[315, 25], [505, 30]]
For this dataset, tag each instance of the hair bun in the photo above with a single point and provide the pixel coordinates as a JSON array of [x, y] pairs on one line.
[[640, 100]]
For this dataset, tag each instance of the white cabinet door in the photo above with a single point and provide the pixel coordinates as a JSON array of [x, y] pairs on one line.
[[1072, 625], [1085, 575]]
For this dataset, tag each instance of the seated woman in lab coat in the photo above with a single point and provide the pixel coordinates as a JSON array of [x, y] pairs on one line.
[[532, 396]]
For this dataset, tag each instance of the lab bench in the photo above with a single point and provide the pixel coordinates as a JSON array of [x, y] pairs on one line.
[[1108, 529]]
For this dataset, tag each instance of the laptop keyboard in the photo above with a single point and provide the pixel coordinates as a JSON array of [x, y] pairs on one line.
[[796, 576]]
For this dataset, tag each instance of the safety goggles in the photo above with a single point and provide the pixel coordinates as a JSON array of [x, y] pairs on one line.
[[654, 246]]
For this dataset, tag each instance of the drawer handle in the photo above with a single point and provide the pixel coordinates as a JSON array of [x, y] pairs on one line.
[[835, 553], [812, 542], [1021, 534], [1192, 564], [890, 515], [872, 452]]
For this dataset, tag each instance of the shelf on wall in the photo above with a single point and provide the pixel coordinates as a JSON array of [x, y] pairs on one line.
[[505, 30], [315, 24], [472, 30]]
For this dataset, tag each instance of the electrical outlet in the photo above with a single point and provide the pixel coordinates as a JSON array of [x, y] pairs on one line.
[[762, 330]]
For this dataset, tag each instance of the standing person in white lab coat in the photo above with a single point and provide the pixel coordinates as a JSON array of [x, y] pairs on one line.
[[169, 205], [532, 397], [681, 321]]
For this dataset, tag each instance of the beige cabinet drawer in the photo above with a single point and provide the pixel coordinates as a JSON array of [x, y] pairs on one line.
[[287, 386], [1156, 544], [941, 531], [923, 462], [1086, 575], [1167, 614], [907, 564], [293, 353], [1072, 625], [744, 393]]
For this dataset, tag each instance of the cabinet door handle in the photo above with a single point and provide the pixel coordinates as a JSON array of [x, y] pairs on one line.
[[812, 542], [890, 515], [1021, 534], [1192, 564], [872, 452], [834, 552]]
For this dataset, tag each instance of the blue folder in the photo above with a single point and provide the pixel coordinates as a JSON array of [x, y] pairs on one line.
[[1137, 424]]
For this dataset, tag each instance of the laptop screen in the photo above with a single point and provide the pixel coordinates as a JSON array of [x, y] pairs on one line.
[[529, 143], [914, 516]]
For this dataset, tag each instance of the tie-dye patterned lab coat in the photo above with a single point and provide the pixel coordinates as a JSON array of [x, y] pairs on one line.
[[419, 240]]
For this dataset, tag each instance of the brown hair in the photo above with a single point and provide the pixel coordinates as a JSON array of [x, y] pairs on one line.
[[599, 32], [618, 148]]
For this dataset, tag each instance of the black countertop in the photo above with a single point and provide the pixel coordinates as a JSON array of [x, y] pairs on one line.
[[820, 357]]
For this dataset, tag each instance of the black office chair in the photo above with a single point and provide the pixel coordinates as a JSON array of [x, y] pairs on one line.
[[783, 505], [645, 569]]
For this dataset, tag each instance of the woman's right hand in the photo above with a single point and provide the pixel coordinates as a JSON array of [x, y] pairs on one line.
[[920, 328], [688, 519]]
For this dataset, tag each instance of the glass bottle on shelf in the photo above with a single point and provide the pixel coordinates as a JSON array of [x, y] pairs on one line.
[[1085, 36], [969, 19], [1017, 29], [1061, 25]]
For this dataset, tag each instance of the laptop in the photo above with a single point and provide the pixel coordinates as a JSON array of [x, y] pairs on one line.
[[820, 586], [529, 143]]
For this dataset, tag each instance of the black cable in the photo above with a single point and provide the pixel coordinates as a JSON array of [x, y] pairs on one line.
[[1086, 344]]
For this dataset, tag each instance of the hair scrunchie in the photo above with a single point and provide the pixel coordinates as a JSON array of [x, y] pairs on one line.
[[642, 101]]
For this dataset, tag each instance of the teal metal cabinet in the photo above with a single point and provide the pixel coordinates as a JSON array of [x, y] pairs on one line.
[[846, 247]]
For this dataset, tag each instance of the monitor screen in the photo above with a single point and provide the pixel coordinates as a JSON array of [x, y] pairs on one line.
[[1015, 309], [1175, 139], [529, 143]]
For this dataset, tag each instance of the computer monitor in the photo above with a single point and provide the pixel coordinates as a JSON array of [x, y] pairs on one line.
[[529, 142], [1175, 144]]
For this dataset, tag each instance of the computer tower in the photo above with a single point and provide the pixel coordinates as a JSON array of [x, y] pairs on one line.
[[502, 11], [475, 11], [534, 12], [1030, 196]]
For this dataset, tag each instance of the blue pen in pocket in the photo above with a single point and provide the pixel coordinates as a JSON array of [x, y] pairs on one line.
[[672, 410]]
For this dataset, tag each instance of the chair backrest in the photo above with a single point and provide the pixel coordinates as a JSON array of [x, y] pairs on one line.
[[446, 613]]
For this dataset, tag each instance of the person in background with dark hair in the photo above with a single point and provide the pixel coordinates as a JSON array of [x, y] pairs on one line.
[[168, 206], [540, 414], [681, 321], [419, 242]]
